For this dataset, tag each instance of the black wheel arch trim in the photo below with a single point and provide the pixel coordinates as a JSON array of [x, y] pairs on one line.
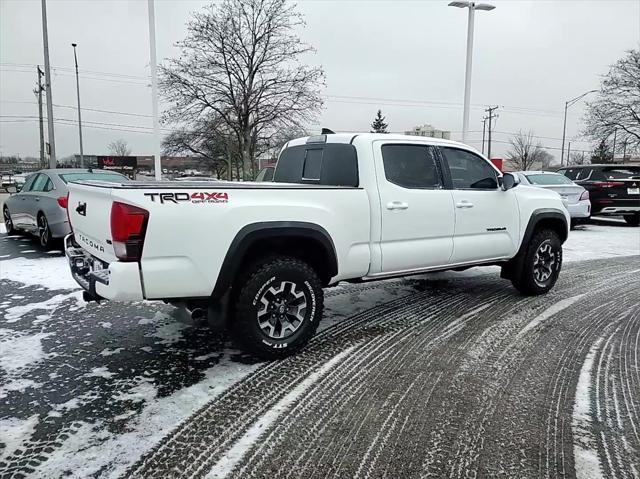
[[252, 233], [536, 217]]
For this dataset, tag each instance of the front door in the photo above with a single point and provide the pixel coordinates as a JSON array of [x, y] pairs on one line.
[[416, 210], [487, 218]]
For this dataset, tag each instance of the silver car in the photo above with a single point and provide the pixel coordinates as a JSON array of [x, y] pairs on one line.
[[40, 207], [575, 197]]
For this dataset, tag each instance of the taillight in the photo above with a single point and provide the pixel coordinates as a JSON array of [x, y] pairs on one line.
[[608, 184], [584, 195], [128, 228], [63, 201]]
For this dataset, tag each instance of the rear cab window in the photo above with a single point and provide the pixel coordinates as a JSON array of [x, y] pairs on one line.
[[328, 164]]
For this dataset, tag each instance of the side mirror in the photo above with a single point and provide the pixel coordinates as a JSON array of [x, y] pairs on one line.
[[509, 181]]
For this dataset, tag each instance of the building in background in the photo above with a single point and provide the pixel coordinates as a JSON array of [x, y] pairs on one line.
[[430, 131]]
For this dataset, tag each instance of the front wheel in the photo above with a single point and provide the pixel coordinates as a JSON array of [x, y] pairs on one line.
[[278, 307], [540, 265], [632, 220]]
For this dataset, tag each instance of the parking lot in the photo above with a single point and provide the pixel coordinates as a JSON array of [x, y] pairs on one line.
[[450, 374]]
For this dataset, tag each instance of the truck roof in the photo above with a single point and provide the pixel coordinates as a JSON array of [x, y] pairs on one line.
[[349, 137]]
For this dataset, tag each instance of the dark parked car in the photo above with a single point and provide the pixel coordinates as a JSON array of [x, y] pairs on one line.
[[40, 207], [613, 189]]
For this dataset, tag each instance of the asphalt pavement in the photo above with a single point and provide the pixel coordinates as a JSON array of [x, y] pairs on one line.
[[455, 376]]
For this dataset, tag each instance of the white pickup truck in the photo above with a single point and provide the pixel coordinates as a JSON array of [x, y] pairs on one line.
[[342, 207]]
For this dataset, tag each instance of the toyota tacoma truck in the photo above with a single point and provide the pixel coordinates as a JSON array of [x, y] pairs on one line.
[[255, 257]]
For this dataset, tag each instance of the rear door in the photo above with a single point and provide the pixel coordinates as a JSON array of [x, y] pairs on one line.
[[18, 203], [89, 210], [487, 219], [416, 209], [32, 201]]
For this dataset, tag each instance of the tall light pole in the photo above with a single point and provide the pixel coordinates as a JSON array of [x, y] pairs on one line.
[[75, 57], [47, 81], [567, 104], [154, 90], [472, 6]]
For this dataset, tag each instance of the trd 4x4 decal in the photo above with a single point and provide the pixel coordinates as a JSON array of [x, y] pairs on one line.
[[196, 197]]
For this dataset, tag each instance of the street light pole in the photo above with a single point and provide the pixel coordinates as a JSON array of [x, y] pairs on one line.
[[154, 90], [567, 104], [75, 57], [472, 6], [47, 80]]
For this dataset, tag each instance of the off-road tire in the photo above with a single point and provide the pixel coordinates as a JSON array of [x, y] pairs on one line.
[[6, 217], [259, 281], [632, 220], [524, 277]]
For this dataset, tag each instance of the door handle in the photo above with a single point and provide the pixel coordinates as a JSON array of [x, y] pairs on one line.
[[397, 205], [464, 204]]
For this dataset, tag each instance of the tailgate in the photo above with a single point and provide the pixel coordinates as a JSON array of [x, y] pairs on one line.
[[90, 216]]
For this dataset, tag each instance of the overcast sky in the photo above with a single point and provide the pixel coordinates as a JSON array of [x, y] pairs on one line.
[[405, 57]]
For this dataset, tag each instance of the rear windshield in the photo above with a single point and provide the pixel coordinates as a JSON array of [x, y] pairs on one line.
[[621, 173], [330, 164], [96, 175], [548, 179]]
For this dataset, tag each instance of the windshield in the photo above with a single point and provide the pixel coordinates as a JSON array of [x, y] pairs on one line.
[[96, 175], [621, 173], [548, 179]]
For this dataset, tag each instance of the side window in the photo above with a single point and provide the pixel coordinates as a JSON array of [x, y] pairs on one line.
[[40, 183], [411, 166], [570, 173], [49, 185], [29, 183], [469, 170]]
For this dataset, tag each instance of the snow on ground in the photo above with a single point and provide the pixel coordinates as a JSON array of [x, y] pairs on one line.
[[599, 241], [3, 229], [93, 450], [14, 432], [50, 273]]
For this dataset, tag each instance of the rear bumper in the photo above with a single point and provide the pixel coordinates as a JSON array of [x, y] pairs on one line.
[[582, 209], [619, 210], [116, 281], [60, 229]]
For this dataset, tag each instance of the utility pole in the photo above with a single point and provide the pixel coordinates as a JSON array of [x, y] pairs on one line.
[[490, 110], [569, 154], [154, 90], [615, 134], [47, 73], [484, 127], [75, 57], [40, 116]]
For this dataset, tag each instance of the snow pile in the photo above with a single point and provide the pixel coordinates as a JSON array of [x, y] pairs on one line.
[[18, 352], [15, 432], [50, 273]]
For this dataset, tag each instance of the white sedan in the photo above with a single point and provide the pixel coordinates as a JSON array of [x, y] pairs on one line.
[[575, 197]]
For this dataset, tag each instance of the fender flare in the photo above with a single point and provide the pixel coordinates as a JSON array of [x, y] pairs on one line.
[[252, 233], [536, 217]]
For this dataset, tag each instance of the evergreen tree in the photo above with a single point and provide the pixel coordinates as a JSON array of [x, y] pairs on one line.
[[378, 125], [602, 153]]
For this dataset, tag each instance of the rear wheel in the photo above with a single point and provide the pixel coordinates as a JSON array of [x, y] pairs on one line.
[[44, 232], [8, 222], [632, 220], [540, 265], [278, 307]]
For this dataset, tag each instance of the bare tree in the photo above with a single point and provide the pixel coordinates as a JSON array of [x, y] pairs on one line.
[[240, 63], [578, 159], [618, 104], [119, 148], [525, 151]]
